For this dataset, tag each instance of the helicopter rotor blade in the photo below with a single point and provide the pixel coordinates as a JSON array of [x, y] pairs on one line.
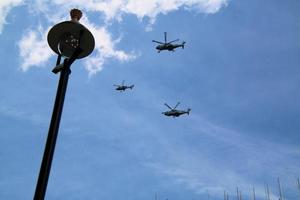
[[165, 37], [123, 82], [173, 41], [117, 85], [168, 106], [176, 105], [157, 42]]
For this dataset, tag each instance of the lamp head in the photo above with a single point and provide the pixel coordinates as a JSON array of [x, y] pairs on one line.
[[65, 37]]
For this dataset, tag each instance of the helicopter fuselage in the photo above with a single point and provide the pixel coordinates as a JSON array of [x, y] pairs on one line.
[[124, 87], [169, 47], [176, 113]]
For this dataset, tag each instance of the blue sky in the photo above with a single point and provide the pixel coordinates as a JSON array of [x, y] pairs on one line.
[[239, 73]]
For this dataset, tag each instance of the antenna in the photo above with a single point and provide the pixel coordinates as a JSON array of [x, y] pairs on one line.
[[226, 196], [254, 198], [268, 192], [298, 184], [283, 193], [240, 195], [280, 191], [155, 196]]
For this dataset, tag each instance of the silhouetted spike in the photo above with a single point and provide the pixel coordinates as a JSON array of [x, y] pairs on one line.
[[268, 193], [254, 198], [240, 195], [280, 191], [298, 181]]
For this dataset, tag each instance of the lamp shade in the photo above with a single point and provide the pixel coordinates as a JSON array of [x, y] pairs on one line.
[[64, 38]]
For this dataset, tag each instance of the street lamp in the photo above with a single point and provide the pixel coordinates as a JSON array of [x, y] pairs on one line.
[[73, 41]]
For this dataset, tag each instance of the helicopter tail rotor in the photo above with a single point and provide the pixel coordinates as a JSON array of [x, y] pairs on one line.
[[188, 111], [165, 37], [131, 86], [182, 45]]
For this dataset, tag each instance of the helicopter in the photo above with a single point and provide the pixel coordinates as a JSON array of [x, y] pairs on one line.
[[168, 45], [123, 87], [175, 113]]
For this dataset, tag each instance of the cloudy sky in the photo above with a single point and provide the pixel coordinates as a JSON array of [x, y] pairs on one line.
[[239, 73]]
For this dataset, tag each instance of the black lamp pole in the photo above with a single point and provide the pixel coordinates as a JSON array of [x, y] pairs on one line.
[[52, 134], [68, 37], [53, 129]]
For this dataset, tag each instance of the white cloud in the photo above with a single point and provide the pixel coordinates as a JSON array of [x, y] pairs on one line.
[[105, 47], [146, 8], [207, 6], [34, 50], [94, 64], [5, 7]]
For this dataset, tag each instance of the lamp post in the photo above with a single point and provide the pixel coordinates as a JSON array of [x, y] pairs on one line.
[[73, 41]]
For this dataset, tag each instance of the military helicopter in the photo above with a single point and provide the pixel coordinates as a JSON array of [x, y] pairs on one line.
[[168, 45], [175, 113], [123, 87]]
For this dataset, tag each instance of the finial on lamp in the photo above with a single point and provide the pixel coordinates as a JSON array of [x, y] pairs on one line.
[[75, 14]]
